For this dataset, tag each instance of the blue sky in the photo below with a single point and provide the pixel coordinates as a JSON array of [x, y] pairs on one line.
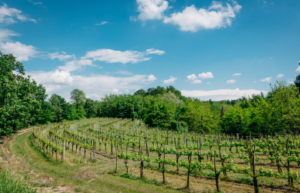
[[207, 49]]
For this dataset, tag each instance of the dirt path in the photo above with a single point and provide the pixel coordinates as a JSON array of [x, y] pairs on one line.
[[7, 140]]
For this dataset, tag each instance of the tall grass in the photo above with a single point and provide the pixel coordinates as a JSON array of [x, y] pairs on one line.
[[11, 184]]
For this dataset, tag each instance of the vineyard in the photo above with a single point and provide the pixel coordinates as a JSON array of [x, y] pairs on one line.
[[177, 161]]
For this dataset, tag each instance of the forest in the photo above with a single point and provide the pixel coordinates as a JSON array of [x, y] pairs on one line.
[[24, 102]]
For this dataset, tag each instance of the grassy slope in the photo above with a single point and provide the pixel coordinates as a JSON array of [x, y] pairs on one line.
[[41, 171]]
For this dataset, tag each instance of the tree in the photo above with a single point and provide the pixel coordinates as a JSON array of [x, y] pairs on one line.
[[90, 108], [19, 106], [78, 98], [57, 103]]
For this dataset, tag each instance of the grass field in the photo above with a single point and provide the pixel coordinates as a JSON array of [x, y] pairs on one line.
[[78, 174]]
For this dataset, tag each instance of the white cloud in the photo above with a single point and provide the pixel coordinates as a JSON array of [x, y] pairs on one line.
[[155, 51], [255, 81], [52, 77], [193, 79], [208, 83], [170, 81], [150, 78], [5, 34], [151, 9], [196, 81], [206, 75], [9, 15], [76, 64], [113, 56], [268, 79], [102, 23], [63, 56], [237, 74], [95, 86], [216, 16], [291, 82], [20, 51], [280, 75], [222, 94], [124, 72], [231, 81]]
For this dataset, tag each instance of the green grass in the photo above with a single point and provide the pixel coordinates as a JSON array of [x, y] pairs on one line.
[[11, 184]]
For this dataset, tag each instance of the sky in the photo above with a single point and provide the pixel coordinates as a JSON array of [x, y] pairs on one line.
[[207, 49]]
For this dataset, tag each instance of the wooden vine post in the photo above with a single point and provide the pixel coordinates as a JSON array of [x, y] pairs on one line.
[[189, 169], [217, 173], [63, 153], [163, 166], [94, 150], [254, 175], [141, 166], [117, 156]]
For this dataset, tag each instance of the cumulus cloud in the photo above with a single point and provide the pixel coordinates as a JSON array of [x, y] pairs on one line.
[[268, 79], [52, 77], [193, 79], [22, 52], [11, 15], [221, 94], [151, 9], [150, 78], [155, 51], [61, 56], [280, 75], [231, 81], [114, 56], [170, 81], [193, 19], [206, 75], [76, 64], [62, 83], [237, 74]]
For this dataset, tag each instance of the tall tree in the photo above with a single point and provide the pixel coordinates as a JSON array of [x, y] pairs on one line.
[[78, 98]]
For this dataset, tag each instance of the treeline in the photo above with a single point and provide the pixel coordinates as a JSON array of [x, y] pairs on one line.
[[23, 103]]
